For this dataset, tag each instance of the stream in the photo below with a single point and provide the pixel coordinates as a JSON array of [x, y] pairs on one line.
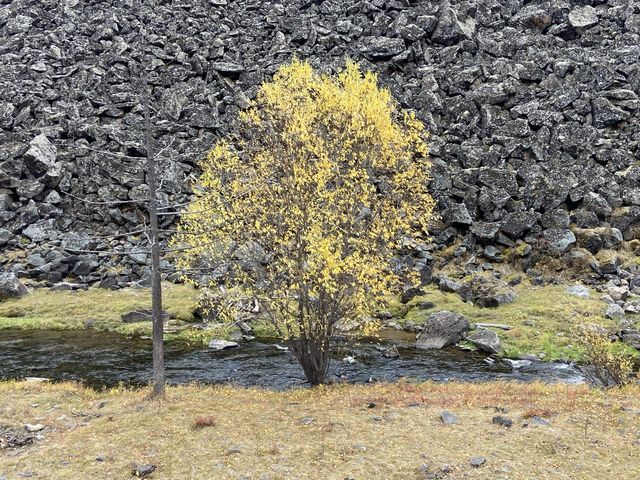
[[100, 359]]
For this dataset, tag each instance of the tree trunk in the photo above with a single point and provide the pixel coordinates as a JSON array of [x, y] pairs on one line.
[[156, 286], [314, 356]]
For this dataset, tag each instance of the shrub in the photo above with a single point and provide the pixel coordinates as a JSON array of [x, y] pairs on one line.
[[306, 206], [608, 365]]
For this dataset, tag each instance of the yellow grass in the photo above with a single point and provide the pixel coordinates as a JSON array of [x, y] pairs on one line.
[[327, 433]]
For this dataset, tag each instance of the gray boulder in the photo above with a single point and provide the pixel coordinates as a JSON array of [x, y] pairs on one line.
[[558, 240], [11, 286], [618, 293], [579, 291], [485, 340], [383, 47], [517, 223], [5, 236], [41, 155], [495, 300], [583, 17], [450, 29], [442, 329], [615, 312], [631, 338]]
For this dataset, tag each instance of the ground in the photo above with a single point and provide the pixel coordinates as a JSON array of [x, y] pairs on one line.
[[545, 320], [343, 431]]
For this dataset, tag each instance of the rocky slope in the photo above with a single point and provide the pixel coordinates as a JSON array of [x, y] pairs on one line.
[[533, 108]]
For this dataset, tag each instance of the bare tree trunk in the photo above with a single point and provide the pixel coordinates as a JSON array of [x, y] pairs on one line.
[[156, 286], [314, 356]]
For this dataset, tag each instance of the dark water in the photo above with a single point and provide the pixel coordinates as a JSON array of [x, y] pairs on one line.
[[103, 359]]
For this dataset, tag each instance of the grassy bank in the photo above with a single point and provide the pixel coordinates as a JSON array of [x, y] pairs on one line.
[[102, 309], [327, 433], [544, 319]]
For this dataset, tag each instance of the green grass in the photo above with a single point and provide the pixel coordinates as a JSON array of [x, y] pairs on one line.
[[102, 309], [544, 319]]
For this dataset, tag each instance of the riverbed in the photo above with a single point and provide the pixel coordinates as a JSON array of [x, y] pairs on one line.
[[100, 359]]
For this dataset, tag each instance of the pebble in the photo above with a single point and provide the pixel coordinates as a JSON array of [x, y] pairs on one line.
[[449, 418]]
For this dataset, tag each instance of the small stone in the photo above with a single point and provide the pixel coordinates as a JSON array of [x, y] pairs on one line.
[[235, 450], [142, 470], [540, 421], [306, 420], [502, 421], [477, 462], [391, 352], [31, 428], [449, 418]]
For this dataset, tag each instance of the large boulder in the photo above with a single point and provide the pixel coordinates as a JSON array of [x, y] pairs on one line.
[[485, 340], [451, 29], [442, 329], [11, 286], [494, 300], [583, 17]]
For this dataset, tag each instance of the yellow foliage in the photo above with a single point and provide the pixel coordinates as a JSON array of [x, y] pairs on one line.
[[307, 205]]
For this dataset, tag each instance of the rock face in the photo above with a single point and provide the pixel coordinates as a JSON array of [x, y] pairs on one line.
[[533, 111], [11, 287], [441, 330]]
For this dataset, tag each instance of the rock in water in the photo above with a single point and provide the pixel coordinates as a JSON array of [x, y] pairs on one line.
[[11, 286], [442, 329], [218, 345], [485, 340], [391, 352]]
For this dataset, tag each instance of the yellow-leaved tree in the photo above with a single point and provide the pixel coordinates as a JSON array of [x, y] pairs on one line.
[[306, 205]]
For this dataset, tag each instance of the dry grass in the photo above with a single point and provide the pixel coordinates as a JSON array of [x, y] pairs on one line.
[[327, 433]]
